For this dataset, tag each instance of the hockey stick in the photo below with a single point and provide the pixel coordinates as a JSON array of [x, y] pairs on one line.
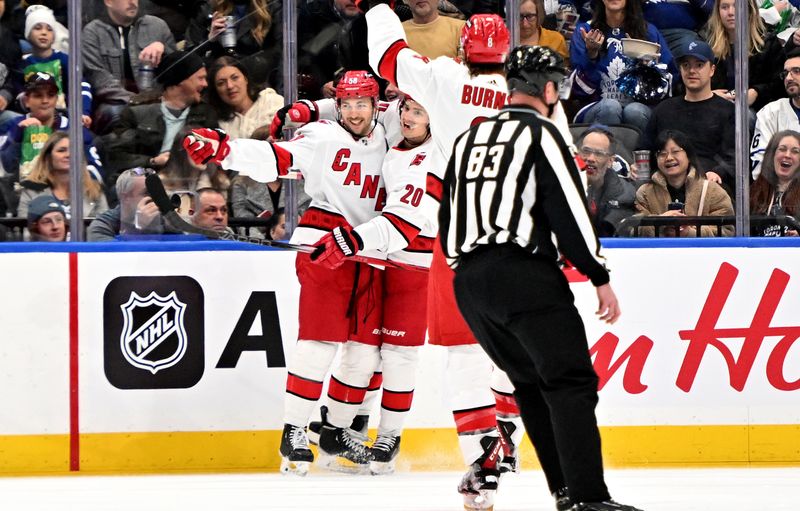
[[159, 195]]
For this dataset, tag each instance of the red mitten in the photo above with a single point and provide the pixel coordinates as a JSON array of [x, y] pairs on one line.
[[333, 248], [206, 145]]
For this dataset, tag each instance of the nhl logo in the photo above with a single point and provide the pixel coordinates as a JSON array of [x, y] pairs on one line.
[[153, 333]]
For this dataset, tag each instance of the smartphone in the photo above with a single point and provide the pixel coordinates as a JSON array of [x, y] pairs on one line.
[[676, 206]]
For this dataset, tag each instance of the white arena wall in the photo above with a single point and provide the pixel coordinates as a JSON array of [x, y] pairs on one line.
[[703, 367]]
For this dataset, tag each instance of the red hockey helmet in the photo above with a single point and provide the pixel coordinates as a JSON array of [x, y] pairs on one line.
[[357, 84], [485, 39]]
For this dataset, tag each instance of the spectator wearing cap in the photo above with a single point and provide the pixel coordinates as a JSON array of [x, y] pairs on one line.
[[40, 33], [145, 133], [711, 128], [779, 115], [27, 135], [114, 48], [47, 220]]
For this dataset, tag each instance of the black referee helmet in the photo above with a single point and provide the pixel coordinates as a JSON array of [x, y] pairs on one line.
[[529, 68]]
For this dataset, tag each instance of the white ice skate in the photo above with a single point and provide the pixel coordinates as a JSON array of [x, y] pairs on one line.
[[478, 487]]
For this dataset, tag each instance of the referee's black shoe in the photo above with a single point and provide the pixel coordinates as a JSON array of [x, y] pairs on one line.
[[606, 505], [563, 502]]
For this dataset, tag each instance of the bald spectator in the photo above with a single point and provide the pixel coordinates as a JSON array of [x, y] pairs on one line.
[[429, 33]]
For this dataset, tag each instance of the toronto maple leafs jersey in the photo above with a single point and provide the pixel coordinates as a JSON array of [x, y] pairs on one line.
[[408, 224], [454, 99], [598, 78], [342, 173]]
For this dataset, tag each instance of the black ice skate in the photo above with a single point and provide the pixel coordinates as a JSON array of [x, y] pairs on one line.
[[479, 484], [510, 459], [606, 505], [339, 450], [384, 452], [358, 428], [296, 457], [563, 502]]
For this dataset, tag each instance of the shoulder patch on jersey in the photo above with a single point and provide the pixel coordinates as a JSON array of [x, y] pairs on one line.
[[324, 121], [418, 159]]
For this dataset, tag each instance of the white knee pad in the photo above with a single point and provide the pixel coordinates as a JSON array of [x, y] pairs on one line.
[[312, 359], [500, 381], [357, 363], [399, 367], [469, 372], [356, 367]]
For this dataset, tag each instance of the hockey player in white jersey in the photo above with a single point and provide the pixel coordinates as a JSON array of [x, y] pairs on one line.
[[457, 95], [341, 164], [405, 231]]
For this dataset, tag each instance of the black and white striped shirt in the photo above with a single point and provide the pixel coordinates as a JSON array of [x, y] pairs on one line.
[[512, 179]]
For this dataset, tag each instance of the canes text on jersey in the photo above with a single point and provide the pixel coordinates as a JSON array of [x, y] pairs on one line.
[[353, 177]]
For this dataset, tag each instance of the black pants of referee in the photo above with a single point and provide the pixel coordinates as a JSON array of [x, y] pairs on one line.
[[521, 310]]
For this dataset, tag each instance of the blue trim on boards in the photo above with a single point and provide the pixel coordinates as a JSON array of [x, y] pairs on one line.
[[132, 246], [193, 243], [700, 242]]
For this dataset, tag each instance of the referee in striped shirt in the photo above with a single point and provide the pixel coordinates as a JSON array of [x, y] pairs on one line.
[[512, 184]]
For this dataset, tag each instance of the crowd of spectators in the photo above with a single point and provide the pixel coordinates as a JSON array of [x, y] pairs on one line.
[[152, 69]]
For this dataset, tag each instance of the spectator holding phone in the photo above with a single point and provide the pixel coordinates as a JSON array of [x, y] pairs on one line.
[[679, 188]]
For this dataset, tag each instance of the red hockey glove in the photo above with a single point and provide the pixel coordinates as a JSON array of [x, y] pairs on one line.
[[206, 145], [334, 247], [294, 115]]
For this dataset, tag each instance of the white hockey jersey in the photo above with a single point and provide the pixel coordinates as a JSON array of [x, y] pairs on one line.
[[408, 224], [772, 118], [454, 99], [342, 173]]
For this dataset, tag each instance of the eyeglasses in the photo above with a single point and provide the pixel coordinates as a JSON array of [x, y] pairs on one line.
[[794, 71], [662, 155], [141, 171], [588, 151], [530, 18]]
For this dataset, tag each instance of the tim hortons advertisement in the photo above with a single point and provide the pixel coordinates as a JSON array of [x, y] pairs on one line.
[[199, 341]]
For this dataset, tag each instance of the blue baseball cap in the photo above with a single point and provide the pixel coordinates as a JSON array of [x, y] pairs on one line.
[[697, 49]]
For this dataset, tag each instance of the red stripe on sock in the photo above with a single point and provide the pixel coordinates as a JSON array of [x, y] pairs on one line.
[[344, 393], [397, 401], [303, 387], [506, 404], [375, 382], [479, 419]]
